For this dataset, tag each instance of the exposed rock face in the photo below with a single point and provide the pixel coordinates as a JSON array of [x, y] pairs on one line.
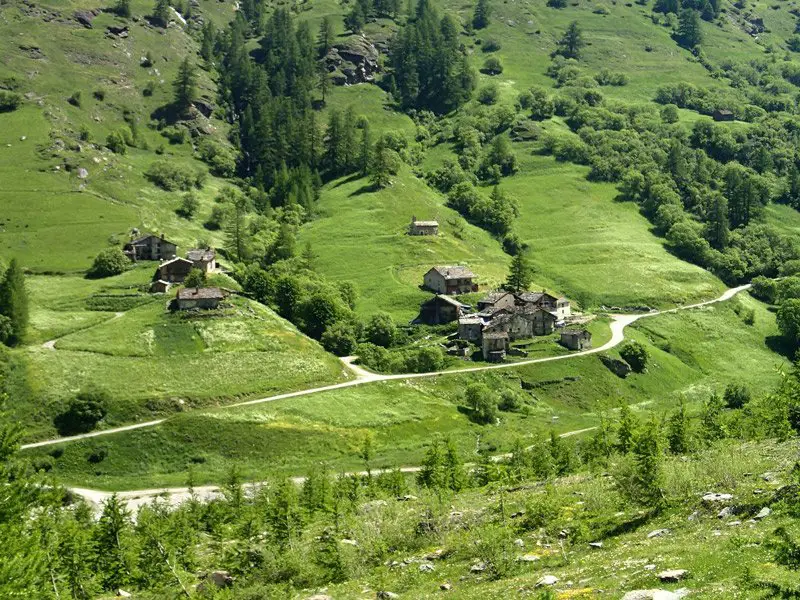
[[85, 17], [353, 61]]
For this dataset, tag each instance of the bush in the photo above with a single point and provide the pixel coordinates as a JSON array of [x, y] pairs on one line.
[[171, 177], [669, 113], [340, 339], [736, 395], [488, 94], [189, 205], [175, 134], [218, 156], [606, 77], [491, 45], [764, 289], [9, 101], [492, 66], [149, 88], [483, 403], [425, 360], [636, 355], [381, 330], [75, 99], [108, 262], [83, 414], [115, 141]]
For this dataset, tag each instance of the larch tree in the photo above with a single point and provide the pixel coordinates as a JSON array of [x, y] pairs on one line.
[[571, 44], [520, 273], [185, 85], [14, 303], [480, 18]]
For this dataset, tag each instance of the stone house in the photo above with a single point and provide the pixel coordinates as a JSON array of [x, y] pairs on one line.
[[563, 309], [203, 259], [423, 227], [206, 298], [497, 300], [544, 321], [723, 114], [576, 339], [494, 346], [470, 328], [450, 280], [150, 247], [559, 306], [159, 286], [175, 270], [441, 309]]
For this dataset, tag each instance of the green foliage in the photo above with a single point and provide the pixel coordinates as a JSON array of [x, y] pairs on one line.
[[764, 289], [636, 355], [161, 13], [196, 278], [340, 339], [488, 94], [83, 413], [678, 439], [712, 426], [185, 85], [9, 101], [571, 43], [736, 395], [14, 304], [689, 34], [492, 66], [380, 330], [122, 8], [482, 401], [480, 17], [116, 142], [788, 317], [108, 262], [172, 177], [627, 429], [520, 273]]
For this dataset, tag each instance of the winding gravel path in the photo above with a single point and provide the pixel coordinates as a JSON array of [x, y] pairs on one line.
[[618, 325]]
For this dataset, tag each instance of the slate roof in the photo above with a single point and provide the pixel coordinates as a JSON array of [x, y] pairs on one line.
[[212, 293], [197, 255], [174, 260], [426, 223], [454, 272], [449, 300], [144, 238]]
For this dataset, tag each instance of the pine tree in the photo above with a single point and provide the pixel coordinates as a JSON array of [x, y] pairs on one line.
[[112, 545], [161, 13], [453, 466], [282, 514], [380, 168], [14, 303], [520, 273], [432, 474], [678, 430], [185, 85], [207, 42], [718, 230], [236, 228], [689, 33], [325, 37], [572, 43], [480, 17], [123, 8], [712, 426], [648, 477], [365, 150], [626, 429], [324, 80], [354, 20]]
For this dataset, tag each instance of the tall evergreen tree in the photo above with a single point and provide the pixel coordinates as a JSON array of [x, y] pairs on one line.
[[520, 273], [678, 430], [325, 37], [626, 429], [648, 478], [161, 13], [480, 18], [365, 150], [185, 85], [381, 167], [571, 44], [236, 228], [717, 228], [689, 33], [112, 545], [14, 302]]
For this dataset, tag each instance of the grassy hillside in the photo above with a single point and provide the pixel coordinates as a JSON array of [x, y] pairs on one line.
[[402, 416], [108, 334]]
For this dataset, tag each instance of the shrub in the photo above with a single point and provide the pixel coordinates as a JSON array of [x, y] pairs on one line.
[[488, 94], [606, 77], [669, 113], [736, 395], [83, 413], [189, 206], [9, 101], [99, 95], [171, 177], [636, 355], [108, 262], [218, 156], [491, 45], [425, 360], [116, 142], [97, 455], [149, 88], [764, 289], [482, 401], [340, 339], [175, 134], [492, 66], [381, 330], [75, 99]]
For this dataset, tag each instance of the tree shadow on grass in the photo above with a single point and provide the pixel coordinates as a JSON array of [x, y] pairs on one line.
[[365, 189], [349, 179], [780, 345]]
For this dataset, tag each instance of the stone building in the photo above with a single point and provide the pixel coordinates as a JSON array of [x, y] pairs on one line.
[[450, 280]]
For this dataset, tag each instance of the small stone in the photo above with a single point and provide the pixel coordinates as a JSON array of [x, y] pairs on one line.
[[349, 542], [734, 523], [725, 512], [758, 492], [22, 138], [384, 595], [649, 567], [673, 575], [657, 533], [547, 580], [445, 587], [426, 568], [478, 568], [529, 558], [654, 595], [763, 513], [519, 543], [123, 594], [319, 597], [595, 544], [435, 555], [694, 516], [82, 173], [716, 533], [714, 497], [407, 498]]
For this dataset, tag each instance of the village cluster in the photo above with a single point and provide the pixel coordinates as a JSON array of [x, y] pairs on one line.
[[174, 269], [500, 318]]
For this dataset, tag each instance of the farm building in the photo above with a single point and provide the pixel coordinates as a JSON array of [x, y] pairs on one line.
[[441, 309], [159, 286], [576, 339], [495, 301], [470, 328], [723, 114], [559, 306], [150, 247], [175, 270], [207, 298], [203, 259], [451, 280], [494, 346], [423, 227]]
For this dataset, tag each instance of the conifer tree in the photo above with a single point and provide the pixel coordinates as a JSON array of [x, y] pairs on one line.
[[432, 473], [236, 228], [282, 514], [185, 85], [648, 478], [365, 151], [711, 423], [678, 430], [689, 33], [123, 8], [520, 273], [14, 303], [325, 37], [453, 467], [626, 429], [718, 230], [112, 545], [571, 44], [380, 168], [480, 17], [161, 13]]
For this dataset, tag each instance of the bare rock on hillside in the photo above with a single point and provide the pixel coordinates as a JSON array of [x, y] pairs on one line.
[[655, 594], [673, 575], [353, 61], [618, 367], [85, 17]]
